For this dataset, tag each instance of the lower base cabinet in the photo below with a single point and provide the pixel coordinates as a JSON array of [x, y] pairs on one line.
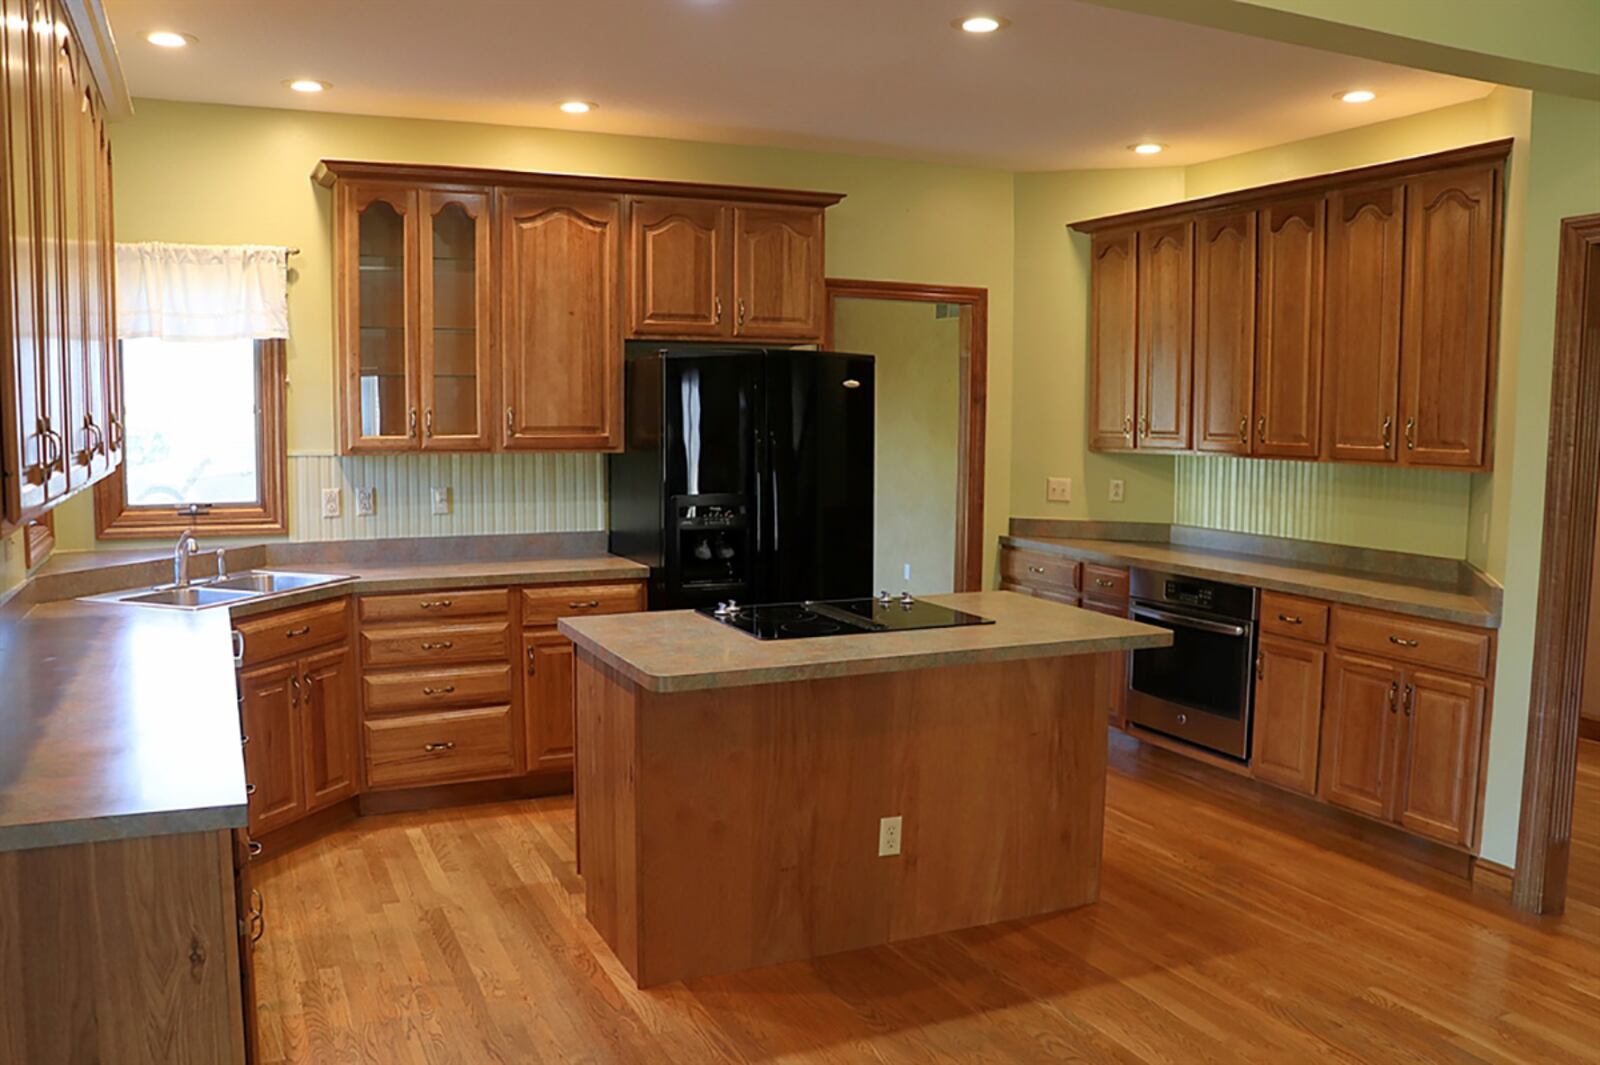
[[547, 699], [1288, 714]]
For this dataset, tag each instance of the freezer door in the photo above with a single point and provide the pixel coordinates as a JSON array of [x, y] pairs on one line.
[[815, 485]]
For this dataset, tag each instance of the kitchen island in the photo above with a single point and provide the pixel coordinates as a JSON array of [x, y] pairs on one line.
[[731, 791]]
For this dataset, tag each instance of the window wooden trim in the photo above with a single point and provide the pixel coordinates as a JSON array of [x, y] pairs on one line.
[[115, 520]]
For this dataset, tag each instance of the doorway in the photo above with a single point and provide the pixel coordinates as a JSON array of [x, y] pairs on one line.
[[931, 348]]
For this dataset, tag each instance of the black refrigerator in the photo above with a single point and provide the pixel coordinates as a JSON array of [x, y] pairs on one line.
[[747, 474]]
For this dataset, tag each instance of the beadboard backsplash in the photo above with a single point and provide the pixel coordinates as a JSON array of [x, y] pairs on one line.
[[1423, 512], [489, 493]]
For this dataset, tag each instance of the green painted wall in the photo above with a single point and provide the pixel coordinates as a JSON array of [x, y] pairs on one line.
[[917, 372]]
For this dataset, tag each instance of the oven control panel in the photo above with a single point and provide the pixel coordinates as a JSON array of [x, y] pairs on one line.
[[1191, 593]]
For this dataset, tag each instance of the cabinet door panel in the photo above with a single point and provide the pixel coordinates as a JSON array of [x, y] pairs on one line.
[[1289, 330], [1166, 336], [332, 727], [1361, 325], [561, 334], [777, 272], [679, 268], [1447, 341], [48, 196], [454, 327], [1113, 351], [1445, 718], [378, 237], [79, 431], [1360, 736], [1224, 332], [1288, 714], [547, 700], [273, 761]]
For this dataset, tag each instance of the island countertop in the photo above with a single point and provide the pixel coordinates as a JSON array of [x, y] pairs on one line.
[[680, 650]]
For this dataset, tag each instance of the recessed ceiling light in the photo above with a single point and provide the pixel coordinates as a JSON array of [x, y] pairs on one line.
[[308, 85], [1146, 148], [982, 24], [1358, 96], [168, 39], [577, 107]]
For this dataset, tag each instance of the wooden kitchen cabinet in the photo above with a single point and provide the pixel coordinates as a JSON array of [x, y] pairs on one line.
[[1224, 332], [778, 289], [1113, 329], [454, 312], [1447, 356], [1361, 330], [1289, 330], [1288, 714], [561, 320], [331, 737], [274, 750], [680, 279], [547, 699], [1360, 735], [1443, 763], [1165, 336]]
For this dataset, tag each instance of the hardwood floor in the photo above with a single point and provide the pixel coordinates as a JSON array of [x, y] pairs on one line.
[[1221, 936]]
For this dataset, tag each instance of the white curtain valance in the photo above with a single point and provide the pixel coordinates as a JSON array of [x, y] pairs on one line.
[[202, 292]]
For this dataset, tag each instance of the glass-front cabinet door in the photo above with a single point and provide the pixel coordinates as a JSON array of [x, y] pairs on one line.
[[454, 333], [380, 282]]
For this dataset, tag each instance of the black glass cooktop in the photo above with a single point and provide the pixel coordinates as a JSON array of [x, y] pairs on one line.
[[839, 617]]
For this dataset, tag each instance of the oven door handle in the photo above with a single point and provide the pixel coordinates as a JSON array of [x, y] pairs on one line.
[[1222, 628]]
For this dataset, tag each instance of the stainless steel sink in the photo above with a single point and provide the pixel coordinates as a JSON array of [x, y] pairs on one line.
[[238, 588]]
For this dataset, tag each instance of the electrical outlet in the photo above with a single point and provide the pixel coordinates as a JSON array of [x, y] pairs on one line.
[[888, 837], [1058, 489], [332, 507], [441, 499], [1116, 490], [366, 502]]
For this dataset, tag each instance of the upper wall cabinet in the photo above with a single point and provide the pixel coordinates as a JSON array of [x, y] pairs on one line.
[[487, 310], [1347, 318], [61, 426]]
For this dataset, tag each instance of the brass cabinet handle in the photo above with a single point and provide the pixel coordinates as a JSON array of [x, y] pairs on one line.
[[1410, 692], [1261, 428], [717, 304], [533, 661], [1127, 426], [437, 748], [438, 604], [1411, 434], [1104, 582], [253, 848], [244, 741], [303, 630], [116, 432], [249, 789], [1244, 430], [306, 677], [1394, 693], [1401, 641], [1388, 431], [1261, 666], [1144, 427], [427, 423], [1290, 619], [440, 645], [294, 698], [258, 916], [411, 422], [511, 422], [741, 310], [587, 604], [446, 690], [1035, 569]]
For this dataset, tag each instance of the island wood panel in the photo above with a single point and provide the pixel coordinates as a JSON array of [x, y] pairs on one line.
[[1289, 330], [1224, 332], [125, 951], [1361, 323], [733, 828], [1165, 336], [1113, 327]]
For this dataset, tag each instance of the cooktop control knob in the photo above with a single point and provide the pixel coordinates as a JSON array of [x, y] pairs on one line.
[[906, 600], [883, 596]]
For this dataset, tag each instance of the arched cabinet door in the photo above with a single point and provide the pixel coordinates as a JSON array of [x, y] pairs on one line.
[[454, 321], [681, 275], [1166, 336], [561, 321], [778, 290], [1361, 330], [1114, 323], [1288, 399], [377, 234], [1224, 331]]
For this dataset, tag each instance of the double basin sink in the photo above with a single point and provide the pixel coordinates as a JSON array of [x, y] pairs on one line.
[[222, 591]]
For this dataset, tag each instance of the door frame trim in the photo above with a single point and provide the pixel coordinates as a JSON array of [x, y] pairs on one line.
[[973, 405], [1544, 836]]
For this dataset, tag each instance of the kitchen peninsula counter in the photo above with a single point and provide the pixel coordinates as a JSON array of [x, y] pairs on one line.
[[732, 791]]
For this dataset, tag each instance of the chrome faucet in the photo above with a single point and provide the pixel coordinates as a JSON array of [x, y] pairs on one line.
[[187, 546]]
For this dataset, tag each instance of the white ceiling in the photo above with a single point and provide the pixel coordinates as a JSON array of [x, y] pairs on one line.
[[1067, 85]]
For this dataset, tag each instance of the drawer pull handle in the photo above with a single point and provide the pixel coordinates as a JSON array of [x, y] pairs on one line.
[[446, 690], [1409, 700], [587, 604], [1401, 641], [303, 630], [1035, 569], [438, 604], [257, 923], [441, 645], [1104, 582], [249, 789], [437, 748], [1394, 692], [1290, 619], [253, 848]]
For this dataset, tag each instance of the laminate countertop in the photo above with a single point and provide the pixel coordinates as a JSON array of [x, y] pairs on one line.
[[1382, 592], [122, 721], [680, 650]]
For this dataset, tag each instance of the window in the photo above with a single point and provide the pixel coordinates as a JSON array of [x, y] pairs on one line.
[[205, 440]]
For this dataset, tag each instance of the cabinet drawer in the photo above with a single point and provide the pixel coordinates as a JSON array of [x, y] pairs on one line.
[[1294, 617], [424, 606], [1406, 639], [421, 645], [1104, 583], [440, 747], [1038, 570], [416, 689], [290, 632], [542, 605]]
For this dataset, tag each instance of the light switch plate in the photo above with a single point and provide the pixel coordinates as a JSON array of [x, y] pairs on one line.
[[366, 502], [1058, 489], [332, 506], [888, 837], [1116, 490], [441, 499]]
